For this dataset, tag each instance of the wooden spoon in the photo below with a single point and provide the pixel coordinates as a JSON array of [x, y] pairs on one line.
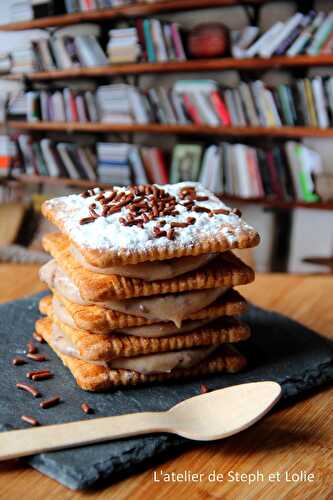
[[206, 417]]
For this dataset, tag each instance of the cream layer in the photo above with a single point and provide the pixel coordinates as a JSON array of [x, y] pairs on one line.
[[149, 271]]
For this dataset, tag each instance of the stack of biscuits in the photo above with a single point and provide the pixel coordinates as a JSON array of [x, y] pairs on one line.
[[142, 284]]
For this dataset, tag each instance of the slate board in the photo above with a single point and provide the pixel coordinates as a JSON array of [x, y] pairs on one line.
[[280, 350]]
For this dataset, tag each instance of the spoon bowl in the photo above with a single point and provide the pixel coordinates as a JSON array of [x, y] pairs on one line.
[[224, 412]]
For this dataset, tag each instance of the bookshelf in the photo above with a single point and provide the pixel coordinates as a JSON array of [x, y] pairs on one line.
[[221, 64], [133, 11], [265, 202], [129, 11], [156, 128]]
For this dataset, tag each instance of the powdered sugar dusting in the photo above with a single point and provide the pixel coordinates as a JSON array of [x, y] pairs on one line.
[[107, 233]]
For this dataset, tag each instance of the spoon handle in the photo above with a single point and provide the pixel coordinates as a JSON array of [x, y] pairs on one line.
[[20, 443]]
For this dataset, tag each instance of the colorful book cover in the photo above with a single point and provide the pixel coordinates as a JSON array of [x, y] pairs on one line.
[[151, 56], [185, 163]]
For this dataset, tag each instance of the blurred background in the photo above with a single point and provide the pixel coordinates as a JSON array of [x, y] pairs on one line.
[[235, 94]]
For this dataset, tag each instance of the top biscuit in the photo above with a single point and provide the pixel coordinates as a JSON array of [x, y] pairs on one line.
[[148, 223]]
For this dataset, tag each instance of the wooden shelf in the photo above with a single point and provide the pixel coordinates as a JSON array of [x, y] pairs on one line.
[[155, 128], [220, 64], [59, 181], [276, 203], [129, 11], [264, 202]]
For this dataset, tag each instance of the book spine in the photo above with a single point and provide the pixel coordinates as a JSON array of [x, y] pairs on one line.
[[289, 40], [141, 37], [321, 36], [151, 56], [220, 108], [192, 110], [327, 48], [177, 41]]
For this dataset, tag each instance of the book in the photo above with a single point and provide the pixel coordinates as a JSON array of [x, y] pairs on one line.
[[149, 44], [66, 158], [220, 107], [52, 165], [248, 104], [185, 163], [139, 172], [211, 175], [321, 35], [269, 48], [266, 38], [319, 102], [178, 44], [246, 39], [305, 36]]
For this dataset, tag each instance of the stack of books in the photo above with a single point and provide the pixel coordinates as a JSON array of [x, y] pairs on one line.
[[150, 40], [13, 11], [123, 46], [61, 159], [113, 163], [79, 50], [73, 6], [122, 104], [123, 163], [189, 101], [16, 104], [23, 59], [284, 172], [310, 34], [61, 106], [306, 102], [66, 48], [160, 41]]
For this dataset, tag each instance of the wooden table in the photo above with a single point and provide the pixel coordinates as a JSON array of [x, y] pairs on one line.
[[296, 438]]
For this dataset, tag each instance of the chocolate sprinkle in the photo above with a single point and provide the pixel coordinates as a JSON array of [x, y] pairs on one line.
[[29, 388], [198, 208], [48, 403], [37, 357], [30, 420], [86, 408], [18, 361], [145, 203]]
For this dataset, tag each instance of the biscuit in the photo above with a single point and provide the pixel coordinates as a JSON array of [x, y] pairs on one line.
[[148, 223], [92, 377], [224, 271], [94, 347], [97, 319]]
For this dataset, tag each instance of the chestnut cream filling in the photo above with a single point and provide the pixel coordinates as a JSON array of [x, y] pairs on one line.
[[155, 331], [170, 307], [148, 364], [149, 271]]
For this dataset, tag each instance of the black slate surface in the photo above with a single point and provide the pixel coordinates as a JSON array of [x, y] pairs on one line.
[[280, 350]]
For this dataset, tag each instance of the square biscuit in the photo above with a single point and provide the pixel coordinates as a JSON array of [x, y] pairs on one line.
[[224, 271], [91, 377], [141, 223]]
